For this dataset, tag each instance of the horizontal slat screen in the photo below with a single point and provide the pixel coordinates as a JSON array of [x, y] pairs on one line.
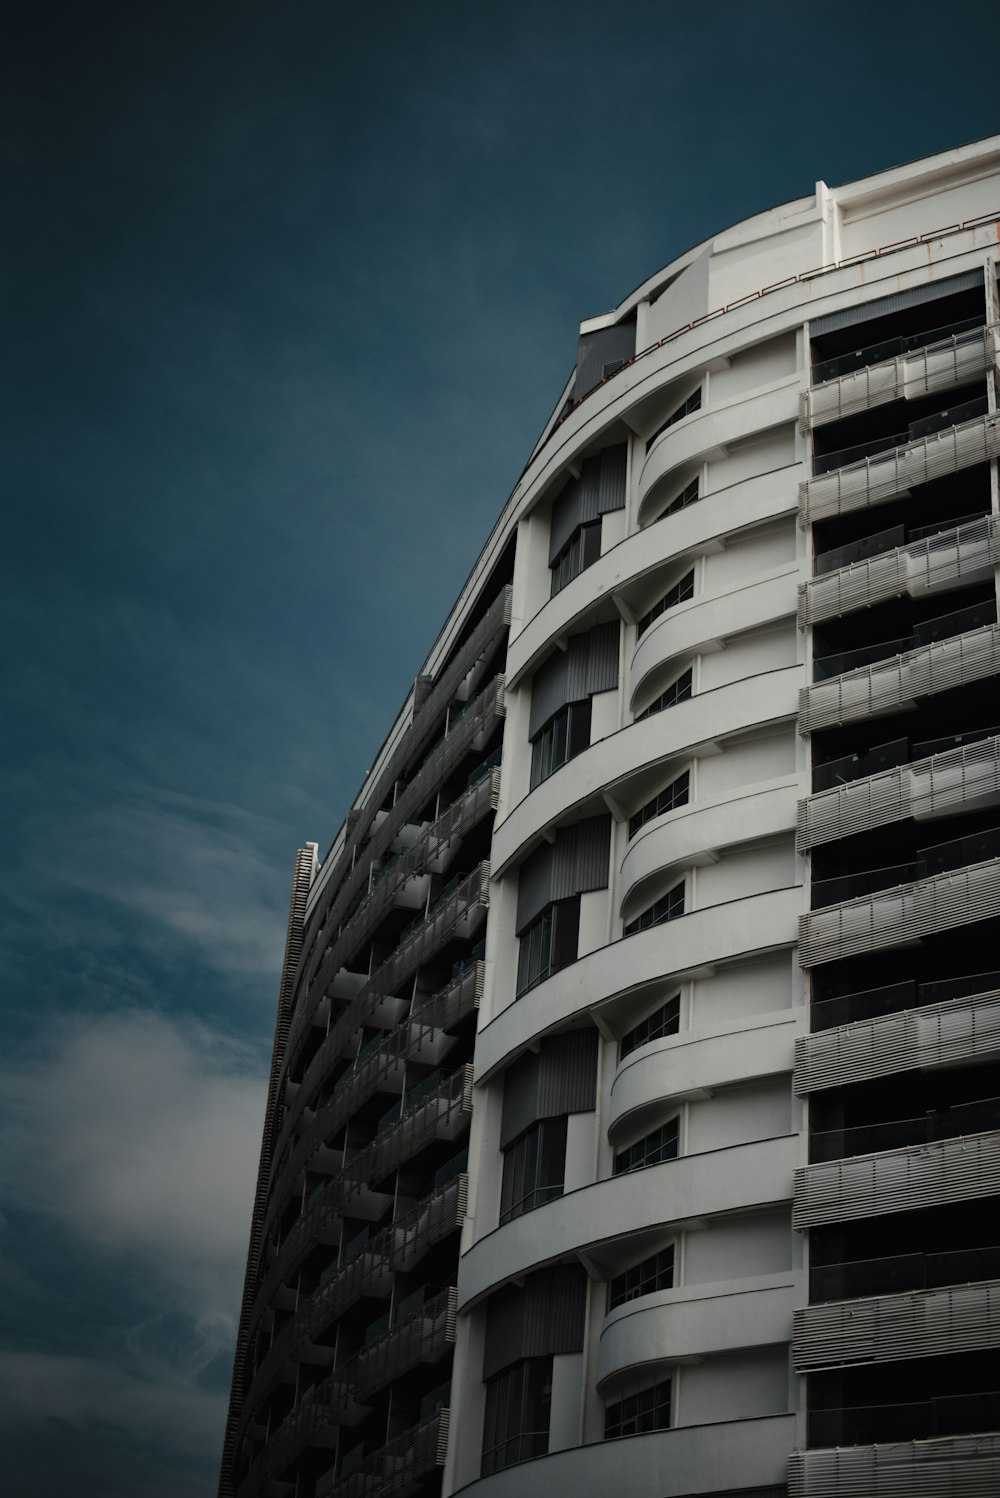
[[952, 1466], [886, 1328], [901, 1180]]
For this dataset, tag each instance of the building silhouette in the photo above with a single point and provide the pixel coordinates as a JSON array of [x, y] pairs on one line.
[[634, 1122]]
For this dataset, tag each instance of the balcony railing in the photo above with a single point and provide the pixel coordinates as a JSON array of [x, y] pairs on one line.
[[900, 1180], [893, 998], [438, 1114], [929, 632], [901, 1133], [423, 1337], [959, 1466], [940, 421], [890, 1328], [948, 1414], [957, 557], [875, 479], [930, 787], [396, 1466], [898, 683], [904, 1271], [899, 915], [940, 858], [897, 369], [961, 1030]]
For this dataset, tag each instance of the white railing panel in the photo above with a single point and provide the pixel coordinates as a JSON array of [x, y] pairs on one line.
[[952, 1466], [918, 1175], [950, 362], [887, 1328]]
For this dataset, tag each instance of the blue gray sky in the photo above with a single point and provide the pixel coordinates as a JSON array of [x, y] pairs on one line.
[[289, 291]]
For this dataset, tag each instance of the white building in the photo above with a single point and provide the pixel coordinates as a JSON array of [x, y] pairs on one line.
[[695, 805]]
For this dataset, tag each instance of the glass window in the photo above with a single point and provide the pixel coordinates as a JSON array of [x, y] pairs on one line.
[[653, 1150], [663, 1021], [688, 496], [693, 403], [675, 794], [548, 944], [518, 1402], [679, 593], [678, 691], [581, 550], [654, 1273], [667, 908], [636, 1414], [565, 734], [533, 1168]]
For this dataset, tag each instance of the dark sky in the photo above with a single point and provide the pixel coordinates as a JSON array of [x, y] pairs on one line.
[[289, 291]]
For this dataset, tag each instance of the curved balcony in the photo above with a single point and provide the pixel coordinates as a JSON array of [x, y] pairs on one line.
[[964, 778], [889, 1328], [693, 833], [695, 1063], [699, 721], [901, 369], [697, 1322], [889, 474], [898, 1180], [947, 1034], [717, 934], [691, 1186], [961, 1466], [696, 529], [894, 917], [726, 1457], [709, 432], [397, 1467], [705, 623], [956, 558]]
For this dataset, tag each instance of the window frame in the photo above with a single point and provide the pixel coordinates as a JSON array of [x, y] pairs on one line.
[[669, 907], [544, 944], [689, 495], [679, 593], [516, 1398], [648, 1277], [578, 553], [645, 1416], [652, 1027], [679, 690], [574, 720], [655, 1148], [541, 1150], [687, 407], [672, 795]]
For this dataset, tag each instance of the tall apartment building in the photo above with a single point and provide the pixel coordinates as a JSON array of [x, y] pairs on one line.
[[634, 1123]]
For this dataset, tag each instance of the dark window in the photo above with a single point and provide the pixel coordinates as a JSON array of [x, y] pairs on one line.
[[646, 1410], [693, 403], [564, 735], [656, 1147], [667, 908], [656, 1273], [688, 496], [582, 549], [548, 944], [518, 1402], [679, 593], [663, 1021], [675, 794], [533, 1168], [678, 691]]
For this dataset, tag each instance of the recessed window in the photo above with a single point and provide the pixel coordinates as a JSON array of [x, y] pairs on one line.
[[564, 735], [678, 691], [655, 1273], [653, 1150], [675, 794], [533, 1169], [663, 1021], [679, 593], [638, 1413], [688, 496], [667, 908], [581, 550], [693, 403], [518, 1405], [548, 944]]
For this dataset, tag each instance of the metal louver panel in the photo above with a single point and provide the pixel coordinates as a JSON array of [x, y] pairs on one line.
[[897, 301], [895, 916], [952, 361], [965, 1029], [919, 1175], [967, 554], [888, 474], [952, 1466], [887, 1328], [891, 684], [927, 787]]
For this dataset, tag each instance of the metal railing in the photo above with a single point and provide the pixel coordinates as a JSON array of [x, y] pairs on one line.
[[926, 787], [947, 1414], [963, 555], [965, 1029], [927, 632], [397, 1465], [892, 684], [961, 1466], [890, 1328], [895, 1273], [901, 1133], [920, 1175], [886, 474], [900, 914], [893, 998], [422, 1337]]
